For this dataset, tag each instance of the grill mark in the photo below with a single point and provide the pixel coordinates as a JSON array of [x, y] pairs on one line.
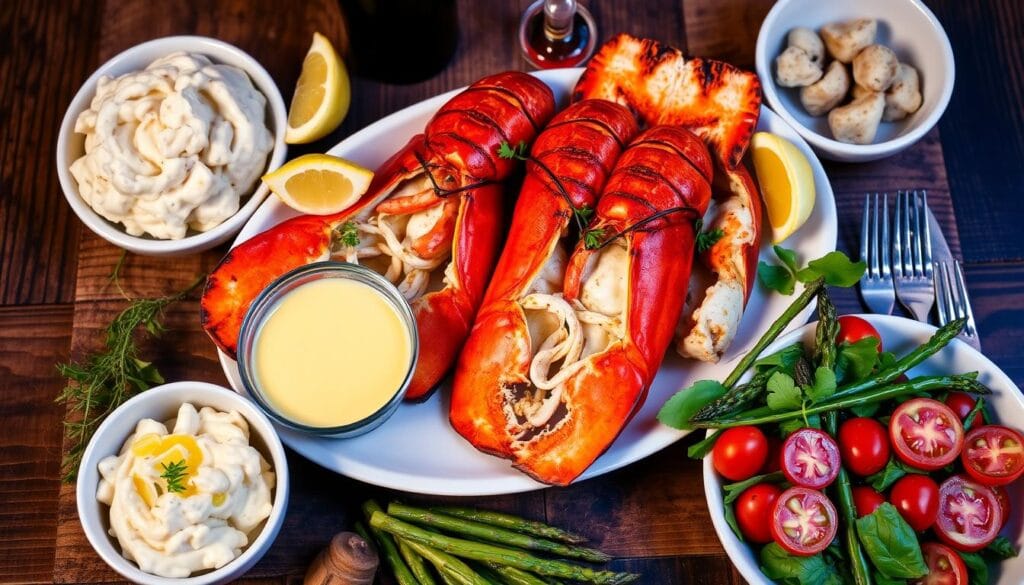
[[599, 123], [511, 94], [476, 115], [681, 154]]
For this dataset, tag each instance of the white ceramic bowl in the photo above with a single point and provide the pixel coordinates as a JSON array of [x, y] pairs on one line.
[[1006, 405], [71, 146], [162, 403], [908, 27]]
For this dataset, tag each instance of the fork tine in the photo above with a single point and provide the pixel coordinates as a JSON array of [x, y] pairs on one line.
[[966, 303], [864, 232], [908, 242], [918, 230], [876, 271], [897, 240], [947, 282], [941, 293], [886, 275], [926, 235]]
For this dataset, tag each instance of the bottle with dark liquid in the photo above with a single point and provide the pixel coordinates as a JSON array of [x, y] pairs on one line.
[[557, 33], [401, 41]]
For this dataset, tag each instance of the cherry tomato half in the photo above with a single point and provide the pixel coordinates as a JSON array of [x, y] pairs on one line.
[[961, 403], [1004, 503], [740, 452], [754, 511], [917, 499], [866, 500], [864, 445], [803, 521], [993, 454], [852, 329], [945, 567], [810, 458], [925, 433], [969, 514]]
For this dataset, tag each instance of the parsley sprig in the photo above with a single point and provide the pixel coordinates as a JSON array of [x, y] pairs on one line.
[[707, 239], [580, 214], [175, 475], [348, 233]]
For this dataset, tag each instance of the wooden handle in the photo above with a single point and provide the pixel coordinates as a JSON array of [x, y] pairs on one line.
[[347, 560]]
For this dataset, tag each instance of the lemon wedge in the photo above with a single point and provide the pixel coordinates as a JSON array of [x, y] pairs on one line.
[[165, 451], [787, 183], [322, 94], [319, 183]]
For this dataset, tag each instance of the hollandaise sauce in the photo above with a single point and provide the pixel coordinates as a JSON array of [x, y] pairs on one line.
[[332, 352]]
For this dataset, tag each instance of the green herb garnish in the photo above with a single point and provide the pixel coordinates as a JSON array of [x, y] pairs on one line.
[[509, 152], [99, 383], [593, 238], [835, 268], [349, 234], [706, 239], [175, 475]]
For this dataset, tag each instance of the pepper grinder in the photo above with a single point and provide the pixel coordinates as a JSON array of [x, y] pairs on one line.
[[347, 560], [557, 33]]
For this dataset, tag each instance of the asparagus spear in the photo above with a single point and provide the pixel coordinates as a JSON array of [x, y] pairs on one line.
[[415, 563], [489, 533], [736, 399], [512, 522], [514, 576], [811, 290], [496, 554], [452, 569], [826, 352], [959, 382], [387, 546]]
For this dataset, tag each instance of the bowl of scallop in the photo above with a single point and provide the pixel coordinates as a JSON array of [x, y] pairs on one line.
[[186, 483], [162, 149], [859, 81]]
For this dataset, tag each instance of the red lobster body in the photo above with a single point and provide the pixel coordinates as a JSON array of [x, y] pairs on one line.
[[446, 183], [579, 148], [612, 321]]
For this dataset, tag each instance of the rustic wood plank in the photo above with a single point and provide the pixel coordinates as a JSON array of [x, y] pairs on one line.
[[997, 296], [725, 30], [984, 124], [692, 570], [38, 231], [32, 340]]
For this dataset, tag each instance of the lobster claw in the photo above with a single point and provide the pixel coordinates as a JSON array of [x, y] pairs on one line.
[[707, 331]]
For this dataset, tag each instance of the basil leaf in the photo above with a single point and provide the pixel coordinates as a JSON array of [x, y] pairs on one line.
[[891, 543], [857, 360], [977, 568], [783, 393], [787, 569], [893, 470], [867, 410], [784, 359], [824, 385], [730, 519], [1001, 548], [835, 267], [734, 490], [684, 404], [881, 579], [776, 278]]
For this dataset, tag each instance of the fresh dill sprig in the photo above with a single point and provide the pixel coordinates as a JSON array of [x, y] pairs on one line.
[[175, 474], [99, 383], [349, 234]]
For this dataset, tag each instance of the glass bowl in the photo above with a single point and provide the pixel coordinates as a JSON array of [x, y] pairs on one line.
[[268, 300]]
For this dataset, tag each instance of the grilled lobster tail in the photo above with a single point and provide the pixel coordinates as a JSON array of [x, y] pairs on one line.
[[433, 208], [571, 160], [595, 346]]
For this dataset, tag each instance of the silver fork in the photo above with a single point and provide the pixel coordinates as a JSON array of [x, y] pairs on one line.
[[876, 285], [912, 254], [953, 303]]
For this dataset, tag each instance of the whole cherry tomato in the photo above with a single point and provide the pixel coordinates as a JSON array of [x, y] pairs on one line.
[[740, 452], [961, 403], [917, 499], [853, 329], [754, 511], [866, 500], [864, 445]]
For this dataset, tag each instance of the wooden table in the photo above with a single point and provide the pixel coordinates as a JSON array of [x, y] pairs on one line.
[[55, 297]]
